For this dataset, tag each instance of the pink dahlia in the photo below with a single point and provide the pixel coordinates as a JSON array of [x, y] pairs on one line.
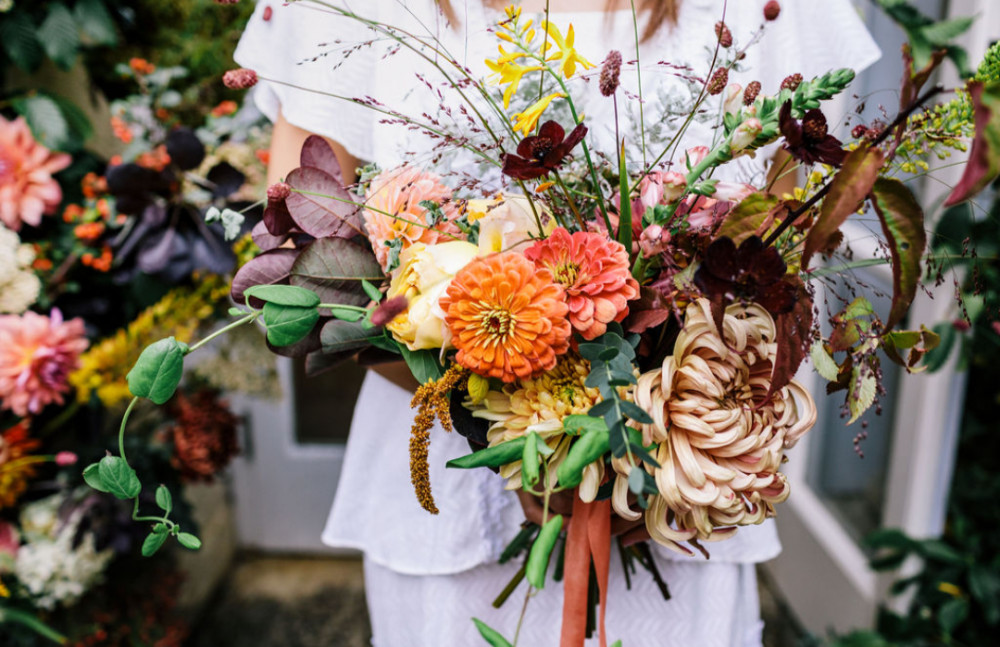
[[27, 188], [37, 354], [595, 273], [393, 211]]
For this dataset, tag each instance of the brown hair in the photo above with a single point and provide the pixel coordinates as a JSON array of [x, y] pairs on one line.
[[660, 12]]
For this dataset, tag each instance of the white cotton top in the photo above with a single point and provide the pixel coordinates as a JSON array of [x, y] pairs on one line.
[[313, 51]]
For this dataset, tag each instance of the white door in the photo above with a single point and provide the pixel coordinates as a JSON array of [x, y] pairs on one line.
[[284, 481], [903, 479]]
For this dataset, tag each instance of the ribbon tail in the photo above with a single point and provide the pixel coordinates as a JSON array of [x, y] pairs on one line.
[[576, 576], [599, 533]]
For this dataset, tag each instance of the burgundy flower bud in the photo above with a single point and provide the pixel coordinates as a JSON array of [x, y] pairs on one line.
[[239, 79], [859, 131], [718, 81], [961, 325], [751, 92], [791, 82], [64, 459], [771, 10], [279, 191], [723, 34], [268, 12], [610, 72], [388, 310]]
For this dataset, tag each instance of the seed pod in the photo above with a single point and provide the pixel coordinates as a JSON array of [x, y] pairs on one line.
[[541, 551]]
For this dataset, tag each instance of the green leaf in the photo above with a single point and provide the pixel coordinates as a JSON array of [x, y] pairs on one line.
[[46, 120], [953, 613], [284, 295], [77, 121], [158, 370], [492, 636], [59, 36], [119, 478], [373, 292], [577, 424], [824, 364], [163, 499], [422, 363], [587, 449], [938, 550], [236, 312], [941, 33], [92, 477], [153, 542], [848, 190], [903, 225], [95, 22], [19, 41], [860, 307], [30, 620], [862, 393], [346, 314], [287, 325], [339, 336], [189, 541]]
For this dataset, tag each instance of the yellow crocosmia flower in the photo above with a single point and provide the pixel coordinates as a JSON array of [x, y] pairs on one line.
[[525, 122], [567, 55], [509, 73], [513, 11]]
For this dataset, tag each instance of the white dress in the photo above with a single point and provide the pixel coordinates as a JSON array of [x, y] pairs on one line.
[[426, 576]]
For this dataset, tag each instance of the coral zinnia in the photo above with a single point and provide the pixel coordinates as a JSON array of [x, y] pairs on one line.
[[37, 354], [27, 188], [721, 438], [507, 317], [595, 273], [16, 465], [393, 210]]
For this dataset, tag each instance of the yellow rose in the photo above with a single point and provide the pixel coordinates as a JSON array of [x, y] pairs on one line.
[[508, 221], [424, 273]]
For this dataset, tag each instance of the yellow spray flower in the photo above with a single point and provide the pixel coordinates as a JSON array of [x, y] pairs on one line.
[[509, 72], [567, 55], [526, 121]]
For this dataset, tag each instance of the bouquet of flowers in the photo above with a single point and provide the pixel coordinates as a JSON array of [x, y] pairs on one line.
[[625, 332]]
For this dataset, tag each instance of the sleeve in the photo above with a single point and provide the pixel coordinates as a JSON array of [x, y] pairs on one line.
[[810, 37], [313, 63]]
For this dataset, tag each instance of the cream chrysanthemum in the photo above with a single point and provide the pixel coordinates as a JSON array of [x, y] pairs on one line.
[[721, 441], [540, 404]]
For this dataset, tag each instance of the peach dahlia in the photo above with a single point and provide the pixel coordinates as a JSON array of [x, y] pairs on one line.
[[595, 273]]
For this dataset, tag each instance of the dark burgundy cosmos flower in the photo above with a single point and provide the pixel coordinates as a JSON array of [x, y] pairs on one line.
[[540, 154], [809, 141], [751, 272]]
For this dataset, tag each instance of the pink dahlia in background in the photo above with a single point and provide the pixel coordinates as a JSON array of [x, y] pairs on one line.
[[27, 188], [393, 211], [595, 273], [37, 354]]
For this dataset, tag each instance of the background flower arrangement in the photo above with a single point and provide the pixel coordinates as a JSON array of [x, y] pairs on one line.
[[97, 257]]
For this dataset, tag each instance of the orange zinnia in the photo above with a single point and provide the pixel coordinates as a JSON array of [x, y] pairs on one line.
[[507, 317], [595, 273]]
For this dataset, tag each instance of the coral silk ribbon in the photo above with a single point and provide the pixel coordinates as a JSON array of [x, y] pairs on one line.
[[589, 537]]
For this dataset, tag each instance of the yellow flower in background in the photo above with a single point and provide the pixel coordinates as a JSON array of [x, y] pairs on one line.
[[509, 72], [525, 122], [567, 55]]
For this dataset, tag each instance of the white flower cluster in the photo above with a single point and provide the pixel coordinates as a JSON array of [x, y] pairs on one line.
[[19, 285], [48, 565]]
